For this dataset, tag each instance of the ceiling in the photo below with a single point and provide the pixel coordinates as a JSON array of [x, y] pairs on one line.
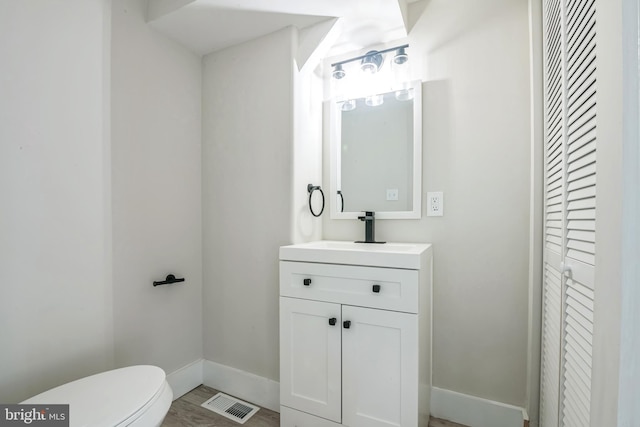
[[205, 26]]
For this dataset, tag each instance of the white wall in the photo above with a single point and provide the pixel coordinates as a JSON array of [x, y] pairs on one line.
[[247, 152], [55, 256], [156, 118], [476, 149], [307, 146]]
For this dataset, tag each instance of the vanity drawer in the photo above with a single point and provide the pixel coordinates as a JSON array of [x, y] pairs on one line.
[[385, 288]]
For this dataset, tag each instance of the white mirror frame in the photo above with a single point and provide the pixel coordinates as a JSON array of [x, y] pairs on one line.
[[335, 125]]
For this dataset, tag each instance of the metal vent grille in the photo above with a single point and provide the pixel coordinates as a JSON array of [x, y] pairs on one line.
[[230, 407]]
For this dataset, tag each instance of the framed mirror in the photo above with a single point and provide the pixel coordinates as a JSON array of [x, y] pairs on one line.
[[376, 155]]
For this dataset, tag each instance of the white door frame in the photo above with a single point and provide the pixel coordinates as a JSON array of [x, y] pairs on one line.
[[536, 222], [629, 373]]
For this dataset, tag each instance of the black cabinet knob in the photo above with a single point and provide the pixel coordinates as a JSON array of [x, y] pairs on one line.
[[333, 321], [376, 289], [306, 282], [346, 324]]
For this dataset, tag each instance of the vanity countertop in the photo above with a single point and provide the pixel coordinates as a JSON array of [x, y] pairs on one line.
[[391, 255]]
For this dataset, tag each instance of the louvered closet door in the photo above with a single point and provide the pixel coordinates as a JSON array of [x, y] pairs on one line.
[[570, 189], [554, 153], [554, 217]]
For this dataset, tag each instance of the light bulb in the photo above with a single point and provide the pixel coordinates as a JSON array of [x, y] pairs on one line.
[[374, 100], [404, 94], [372, 62], [401, 56], [348, 105], [338, 72]]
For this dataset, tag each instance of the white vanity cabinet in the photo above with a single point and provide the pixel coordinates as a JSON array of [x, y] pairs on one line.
[[355, 340]]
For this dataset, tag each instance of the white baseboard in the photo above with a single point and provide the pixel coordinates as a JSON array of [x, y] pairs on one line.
[[474, 411], [186, 378], [244, 385], [445, 404]]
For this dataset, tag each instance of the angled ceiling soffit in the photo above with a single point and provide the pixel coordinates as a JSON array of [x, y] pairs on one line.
[[158, 8], [414, 11], [315, 41]]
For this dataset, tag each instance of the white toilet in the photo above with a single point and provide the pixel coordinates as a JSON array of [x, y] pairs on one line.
[[134, 396]]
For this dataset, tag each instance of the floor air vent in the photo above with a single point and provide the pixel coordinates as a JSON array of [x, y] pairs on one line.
[[230, 407]]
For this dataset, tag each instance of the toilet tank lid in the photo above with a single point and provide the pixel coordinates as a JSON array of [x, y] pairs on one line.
[[106, 399]]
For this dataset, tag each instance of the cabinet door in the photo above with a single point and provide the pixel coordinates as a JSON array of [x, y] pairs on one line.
[[380, 368], [310, 369]]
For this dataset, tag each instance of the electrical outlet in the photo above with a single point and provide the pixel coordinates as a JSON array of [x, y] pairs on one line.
[[392, 194], [435, 203]]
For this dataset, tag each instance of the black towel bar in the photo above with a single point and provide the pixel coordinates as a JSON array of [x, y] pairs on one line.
[[170, 279]]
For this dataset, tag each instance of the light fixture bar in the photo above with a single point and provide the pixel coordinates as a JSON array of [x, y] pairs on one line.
[[357, 58]]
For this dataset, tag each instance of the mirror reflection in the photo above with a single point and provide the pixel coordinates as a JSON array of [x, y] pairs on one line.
[[376, 161]]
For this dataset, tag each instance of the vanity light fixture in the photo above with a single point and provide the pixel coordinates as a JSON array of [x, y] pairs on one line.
[[401, 56], [338, 72], [371, 61]]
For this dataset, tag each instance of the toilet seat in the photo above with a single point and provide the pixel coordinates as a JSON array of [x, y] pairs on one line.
[[120, 397]]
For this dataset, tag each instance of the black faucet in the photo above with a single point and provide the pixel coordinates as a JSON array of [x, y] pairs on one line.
[[369, 219]]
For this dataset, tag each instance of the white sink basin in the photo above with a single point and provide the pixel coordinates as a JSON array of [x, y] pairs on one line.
[[393, 255]]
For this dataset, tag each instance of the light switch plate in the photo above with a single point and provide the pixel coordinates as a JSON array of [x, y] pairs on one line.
[[435, 203], [392, 194]]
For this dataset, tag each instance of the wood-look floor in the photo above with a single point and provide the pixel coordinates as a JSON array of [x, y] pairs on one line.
[[187, 412]]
